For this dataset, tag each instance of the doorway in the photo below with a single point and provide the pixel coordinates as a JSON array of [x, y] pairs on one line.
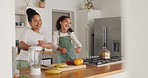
[[57, 13]]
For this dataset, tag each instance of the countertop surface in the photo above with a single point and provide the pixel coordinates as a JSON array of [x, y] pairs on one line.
[[88, 72]]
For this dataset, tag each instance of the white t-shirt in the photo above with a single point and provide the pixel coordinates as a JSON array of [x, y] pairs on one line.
[[72, 36], [31, 38]]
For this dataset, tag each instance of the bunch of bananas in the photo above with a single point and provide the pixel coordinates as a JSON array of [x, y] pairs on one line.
[[53, 71], [60, 65], [56, 69]]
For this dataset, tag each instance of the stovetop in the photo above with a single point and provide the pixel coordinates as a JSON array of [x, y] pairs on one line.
[[96, 61]]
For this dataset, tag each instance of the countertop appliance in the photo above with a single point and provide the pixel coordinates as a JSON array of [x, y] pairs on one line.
[[35, 57], [104, 53]]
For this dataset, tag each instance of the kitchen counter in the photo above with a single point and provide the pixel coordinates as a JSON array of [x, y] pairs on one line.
[[88, 72]]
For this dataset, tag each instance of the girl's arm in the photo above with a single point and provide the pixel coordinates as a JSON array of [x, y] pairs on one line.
[[55, 40], [78, 44], [76, 41]]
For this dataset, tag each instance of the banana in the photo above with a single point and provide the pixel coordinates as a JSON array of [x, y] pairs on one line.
[[60, 65], [57, 68], [54, 71]]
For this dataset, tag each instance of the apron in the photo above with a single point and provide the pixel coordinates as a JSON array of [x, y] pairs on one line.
[[65, 42], [22, 64]]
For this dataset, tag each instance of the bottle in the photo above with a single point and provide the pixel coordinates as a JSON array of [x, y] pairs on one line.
[[16, 74], [15, 71]]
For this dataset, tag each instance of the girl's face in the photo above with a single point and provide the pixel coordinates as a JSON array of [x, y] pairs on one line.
[[36, 22], [66, 24]]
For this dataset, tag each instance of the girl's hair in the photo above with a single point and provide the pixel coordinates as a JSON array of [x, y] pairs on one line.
[[58, 25], [30, 13]]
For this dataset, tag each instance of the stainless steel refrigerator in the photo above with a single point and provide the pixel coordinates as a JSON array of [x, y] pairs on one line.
[[113, 35]]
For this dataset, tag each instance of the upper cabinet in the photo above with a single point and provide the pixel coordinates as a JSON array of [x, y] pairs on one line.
[[85, 30], [20, 18]]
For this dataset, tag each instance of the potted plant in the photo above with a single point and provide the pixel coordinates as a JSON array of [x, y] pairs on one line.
[[88, 4], [42, 3]]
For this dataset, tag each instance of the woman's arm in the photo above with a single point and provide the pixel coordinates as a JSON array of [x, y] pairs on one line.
[[44, 44], [23, 45], [23, 40]]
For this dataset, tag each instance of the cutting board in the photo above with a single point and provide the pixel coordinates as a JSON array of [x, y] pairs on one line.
[[69, 67]]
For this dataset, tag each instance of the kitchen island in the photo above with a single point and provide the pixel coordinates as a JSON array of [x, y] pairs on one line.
[[88, 72]]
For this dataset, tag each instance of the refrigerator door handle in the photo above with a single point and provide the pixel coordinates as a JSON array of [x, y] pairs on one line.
[[86, 37]]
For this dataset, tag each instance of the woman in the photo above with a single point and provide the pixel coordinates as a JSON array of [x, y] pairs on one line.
[[63, 40], [31, 37]]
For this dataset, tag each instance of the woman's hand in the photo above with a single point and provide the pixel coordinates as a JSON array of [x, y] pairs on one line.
[[41, 43], [44, 44], [77, 50], [62, 50]]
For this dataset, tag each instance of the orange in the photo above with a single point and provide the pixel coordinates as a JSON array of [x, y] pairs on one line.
[[78, 61], [81, 60]]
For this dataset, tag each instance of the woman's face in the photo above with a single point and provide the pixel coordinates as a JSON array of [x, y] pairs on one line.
[[36, 22], [66, 24]]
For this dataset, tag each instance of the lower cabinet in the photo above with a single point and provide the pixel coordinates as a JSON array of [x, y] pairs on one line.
[[119, 75]]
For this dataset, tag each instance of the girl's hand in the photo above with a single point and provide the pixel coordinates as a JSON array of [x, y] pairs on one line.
[[78, 49], [62, 50]]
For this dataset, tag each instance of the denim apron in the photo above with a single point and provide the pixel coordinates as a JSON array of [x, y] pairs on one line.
[[65, 42]]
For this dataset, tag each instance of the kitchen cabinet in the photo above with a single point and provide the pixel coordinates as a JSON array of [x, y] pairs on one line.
[[113, 35], [85, 28], [22, 22], [20, 19], [118, 75]]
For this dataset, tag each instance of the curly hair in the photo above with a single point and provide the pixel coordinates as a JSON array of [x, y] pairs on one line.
[[58, 25]]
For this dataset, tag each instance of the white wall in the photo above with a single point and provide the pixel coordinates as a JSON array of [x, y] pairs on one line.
[[69, 5], [55, 4], [135, 14], [7, 34], [109, 8], [22, 3]]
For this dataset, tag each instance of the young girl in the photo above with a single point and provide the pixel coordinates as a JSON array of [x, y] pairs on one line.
[[31, 37], [63, 40]]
